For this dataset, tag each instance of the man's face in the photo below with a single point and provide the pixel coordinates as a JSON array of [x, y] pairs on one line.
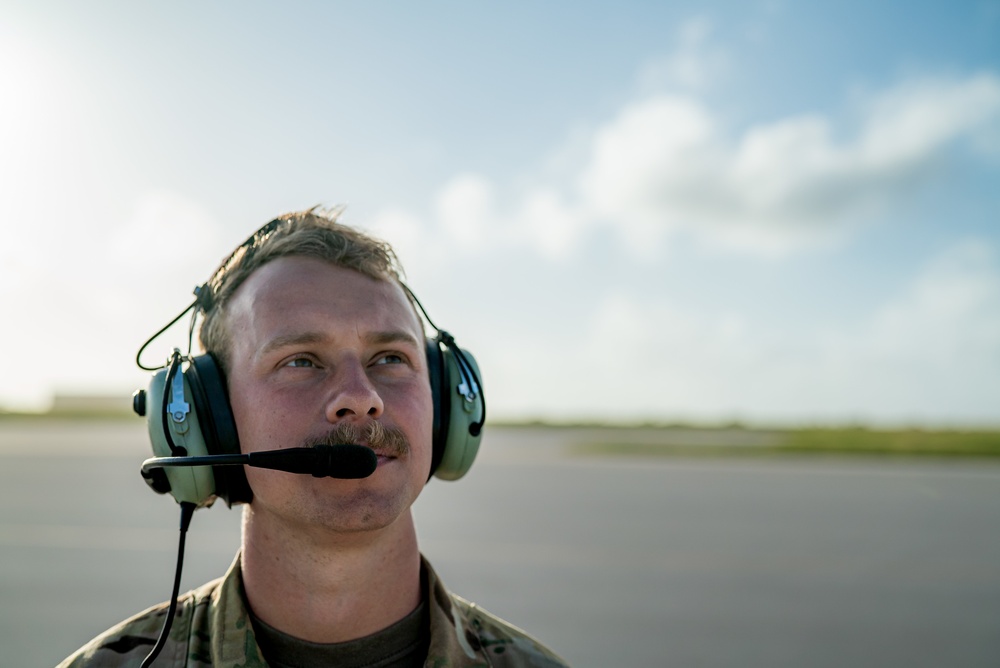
[[314, 347]]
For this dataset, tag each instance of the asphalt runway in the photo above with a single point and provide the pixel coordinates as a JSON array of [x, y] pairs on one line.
[[611, 562]]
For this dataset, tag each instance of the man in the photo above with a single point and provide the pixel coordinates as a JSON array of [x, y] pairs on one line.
[[320, 344]]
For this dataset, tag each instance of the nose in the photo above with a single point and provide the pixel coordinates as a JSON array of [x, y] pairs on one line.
[[352, 395]]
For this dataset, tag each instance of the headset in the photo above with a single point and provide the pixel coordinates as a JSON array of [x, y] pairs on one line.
[[196, 442]]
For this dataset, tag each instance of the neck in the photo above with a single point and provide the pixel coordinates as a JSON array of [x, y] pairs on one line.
[[325, 587]]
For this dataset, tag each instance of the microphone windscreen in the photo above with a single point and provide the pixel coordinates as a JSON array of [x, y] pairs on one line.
[[344, 461], [334, 461], [292, 460]]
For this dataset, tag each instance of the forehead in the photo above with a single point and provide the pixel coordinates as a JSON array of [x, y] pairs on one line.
[[295, 292]]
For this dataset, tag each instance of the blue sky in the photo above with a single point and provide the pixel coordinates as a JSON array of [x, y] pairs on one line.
[[674, 211]]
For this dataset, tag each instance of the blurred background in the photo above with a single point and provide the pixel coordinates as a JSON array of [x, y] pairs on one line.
[[637, 210], [734, 223]]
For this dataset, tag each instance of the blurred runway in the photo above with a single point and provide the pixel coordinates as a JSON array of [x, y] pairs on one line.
[[619, 562]]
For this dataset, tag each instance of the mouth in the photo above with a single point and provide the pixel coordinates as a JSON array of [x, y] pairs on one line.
[[384, 457], [386, 442]]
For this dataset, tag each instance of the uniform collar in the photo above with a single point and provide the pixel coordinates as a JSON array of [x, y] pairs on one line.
[[453, 636]]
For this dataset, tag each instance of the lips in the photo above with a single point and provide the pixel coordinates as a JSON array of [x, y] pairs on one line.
[[387, 442]]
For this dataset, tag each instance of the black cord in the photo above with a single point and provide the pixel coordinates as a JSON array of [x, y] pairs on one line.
[[205, 294], [476, 427], [138, 355], [187, 511], [465, 368], [420, 306], [468, 375], [175, 365], [194, 319]]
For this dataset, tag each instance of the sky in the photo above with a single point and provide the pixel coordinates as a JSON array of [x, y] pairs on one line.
[[771, 212]]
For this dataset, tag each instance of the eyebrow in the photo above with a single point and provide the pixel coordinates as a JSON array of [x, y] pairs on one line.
[[392, 336], [379, 338], [291, 340]]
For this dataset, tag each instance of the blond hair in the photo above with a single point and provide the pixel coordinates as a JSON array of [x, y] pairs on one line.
[[314, 233]]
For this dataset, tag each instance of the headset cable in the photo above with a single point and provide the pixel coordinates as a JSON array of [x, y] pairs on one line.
[[187, 512]]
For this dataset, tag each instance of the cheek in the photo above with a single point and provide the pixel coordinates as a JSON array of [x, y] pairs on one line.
[[426, 428], [254, 418], [246, 426], [415, 415]]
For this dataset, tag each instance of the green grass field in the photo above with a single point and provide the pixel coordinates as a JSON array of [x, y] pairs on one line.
[[684, 440]]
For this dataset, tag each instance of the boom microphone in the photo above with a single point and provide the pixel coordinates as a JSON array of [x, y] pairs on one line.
[[321, 461]]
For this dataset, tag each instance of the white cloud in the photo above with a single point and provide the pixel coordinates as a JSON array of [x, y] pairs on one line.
[[917, 118], [51, 155], [645, 163], [165, 231], [100, 288], [937, 348], [553, 227], [636, 358], [961, 284], [694, 64], [931, 355], [466, 209], [167, 245], [666, 166], [409, 237], [468, 219]]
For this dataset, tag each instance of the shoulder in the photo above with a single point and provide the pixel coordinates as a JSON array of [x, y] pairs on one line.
[[464, 635], [128, 643], [502, 642]]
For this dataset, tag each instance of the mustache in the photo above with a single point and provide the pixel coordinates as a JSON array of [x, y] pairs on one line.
[[384, 440]]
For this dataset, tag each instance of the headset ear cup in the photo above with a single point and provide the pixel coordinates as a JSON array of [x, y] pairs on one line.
[[180, 416], [460, 444], [215, 415], [442, 403]]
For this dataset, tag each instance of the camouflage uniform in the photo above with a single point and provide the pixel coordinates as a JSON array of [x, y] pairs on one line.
[[212, 629]]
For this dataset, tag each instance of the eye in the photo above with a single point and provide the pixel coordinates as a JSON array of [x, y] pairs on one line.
[[390, 358], [300, 363]]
